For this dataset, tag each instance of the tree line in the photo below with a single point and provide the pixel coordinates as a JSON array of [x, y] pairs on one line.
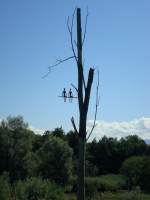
[[53, 155]]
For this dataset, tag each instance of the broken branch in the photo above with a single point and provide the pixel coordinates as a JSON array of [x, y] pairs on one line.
[[96, 108], [73, 124]]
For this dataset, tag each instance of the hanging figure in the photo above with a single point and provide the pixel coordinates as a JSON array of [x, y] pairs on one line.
[[70, 95], [64, 94]]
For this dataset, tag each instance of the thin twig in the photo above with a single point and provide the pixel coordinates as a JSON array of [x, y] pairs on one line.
[[70, 29], [73, 124], [96, 108], [58, 62]]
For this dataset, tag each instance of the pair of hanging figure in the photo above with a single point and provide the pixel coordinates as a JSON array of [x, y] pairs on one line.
[[70, 95]]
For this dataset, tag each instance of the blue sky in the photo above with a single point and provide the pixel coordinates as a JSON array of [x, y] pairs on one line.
[[33, 34]]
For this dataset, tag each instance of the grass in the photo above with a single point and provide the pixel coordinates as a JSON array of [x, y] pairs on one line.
[[124, 196], [133, 195], [108, 187]]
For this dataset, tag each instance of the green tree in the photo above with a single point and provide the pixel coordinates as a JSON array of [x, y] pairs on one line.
[[145, 175], [16, 155], [56, 160], [132, 145], [5, 193], [133, 169], [104, 155], [72, 139], [58, 132], [14, 123]]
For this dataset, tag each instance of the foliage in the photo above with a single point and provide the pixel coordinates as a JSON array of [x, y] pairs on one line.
[[58, 132], [90, 169], [108, 154], [101, 184], [16, 155], [56, 160], [145, 176], [15, 123], [121, 195], [38, 189], [132, 168], [132, 145], [72, 139], [132, 195], [53, 155], [4, 187]]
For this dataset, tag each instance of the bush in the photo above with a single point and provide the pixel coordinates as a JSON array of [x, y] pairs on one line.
[[132, 195], [91, 187], [101, 184], [111, 183], [38, 189]]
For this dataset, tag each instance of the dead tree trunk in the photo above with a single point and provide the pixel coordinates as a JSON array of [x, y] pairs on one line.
[[84, 91]]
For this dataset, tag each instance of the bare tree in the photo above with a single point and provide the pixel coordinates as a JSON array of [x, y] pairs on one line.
[[84, 91]]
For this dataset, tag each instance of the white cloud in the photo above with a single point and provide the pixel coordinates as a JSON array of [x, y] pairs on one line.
[[140, 127], [36, 130]]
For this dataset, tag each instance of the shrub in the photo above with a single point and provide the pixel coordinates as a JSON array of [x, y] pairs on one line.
[[91, 187], [101, 184], [111, 182], [38, 189]]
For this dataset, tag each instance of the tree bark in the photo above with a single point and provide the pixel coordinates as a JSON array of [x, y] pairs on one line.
[[83, 101], [81, 169]]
